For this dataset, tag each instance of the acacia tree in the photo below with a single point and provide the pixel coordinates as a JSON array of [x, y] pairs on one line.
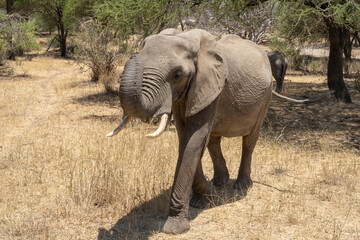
[[308, 21], [9, 5], [63, 15], [145, 17], [311, 20]]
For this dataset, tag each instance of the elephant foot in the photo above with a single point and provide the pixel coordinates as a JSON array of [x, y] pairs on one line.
[[243, 183], [176, 225], [200, 200], [220, 179]]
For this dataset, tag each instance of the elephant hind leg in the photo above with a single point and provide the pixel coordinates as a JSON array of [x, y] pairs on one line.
[[280, 78], [243, 181], [221, 173], [279, 82], [201, 195]]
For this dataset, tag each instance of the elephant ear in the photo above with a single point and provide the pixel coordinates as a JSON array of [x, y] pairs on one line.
[[210, 78]]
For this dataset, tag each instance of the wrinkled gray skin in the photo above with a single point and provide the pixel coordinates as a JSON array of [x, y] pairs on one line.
[[279, 65], [214, 89]]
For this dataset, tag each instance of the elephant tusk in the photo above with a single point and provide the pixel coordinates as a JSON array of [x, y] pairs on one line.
[[123, 124], [161, 128]]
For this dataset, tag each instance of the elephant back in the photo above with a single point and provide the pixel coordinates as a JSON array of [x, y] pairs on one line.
[[249, 69]]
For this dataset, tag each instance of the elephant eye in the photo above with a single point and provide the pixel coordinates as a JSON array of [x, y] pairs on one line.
[[177, 74]]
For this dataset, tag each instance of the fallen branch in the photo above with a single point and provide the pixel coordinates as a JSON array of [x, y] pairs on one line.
[[51, 42]]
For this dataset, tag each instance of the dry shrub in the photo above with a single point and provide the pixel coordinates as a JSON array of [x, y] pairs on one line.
[[111, 81], [2, 55], [98, 49]]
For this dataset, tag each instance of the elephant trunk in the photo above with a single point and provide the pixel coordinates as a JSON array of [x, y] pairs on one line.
[[144, 94], [133, 101]]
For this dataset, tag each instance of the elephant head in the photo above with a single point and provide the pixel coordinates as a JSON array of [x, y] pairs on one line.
[[171, 67]]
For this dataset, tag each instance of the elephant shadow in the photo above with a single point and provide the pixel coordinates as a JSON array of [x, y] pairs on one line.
[[148, 218]]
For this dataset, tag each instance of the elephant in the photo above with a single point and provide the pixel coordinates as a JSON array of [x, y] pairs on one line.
[[279, 66], [214, 89]]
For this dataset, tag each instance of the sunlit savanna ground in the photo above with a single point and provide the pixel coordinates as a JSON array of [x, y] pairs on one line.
[[61, 178]]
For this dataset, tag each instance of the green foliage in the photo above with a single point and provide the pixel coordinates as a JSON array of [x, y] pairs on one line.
[[3, 53], [61, 15], [344, 13], [50, 14], [16, 35], [294, 21], [143, 16], [303, 21], [242, 18], [23, 7]]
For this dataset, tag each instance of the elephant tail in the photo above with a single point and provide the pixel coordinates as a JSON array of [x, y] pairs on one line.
[[308, 100]]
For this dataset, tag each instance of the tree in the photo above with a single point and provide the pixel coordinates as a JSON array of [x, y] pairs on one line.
[[144, 17], [9, 5], [299, 21], [311, 20], [63, 15]]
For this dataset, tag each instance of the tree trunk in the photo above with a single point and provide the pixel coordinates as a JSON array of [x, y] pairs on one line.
[[62, 32], [62, 40], [9, 6], [335, 66], [347, 51]]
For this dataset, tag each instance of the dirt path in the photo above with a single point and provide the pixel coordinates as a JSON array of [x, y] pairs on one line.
[[39, 111], [40, 102]]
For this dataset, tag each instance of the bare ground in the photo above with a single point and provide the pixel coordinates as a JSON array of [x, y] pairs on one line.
[[62, 179]]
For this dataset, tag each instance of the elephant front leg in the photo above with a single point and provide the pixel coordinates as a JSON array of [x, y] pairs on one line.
[[188, 161], [193, 139]]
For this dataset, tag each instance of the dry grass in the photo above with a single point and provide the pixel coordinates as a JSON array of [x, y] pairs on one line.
[[61, 178]]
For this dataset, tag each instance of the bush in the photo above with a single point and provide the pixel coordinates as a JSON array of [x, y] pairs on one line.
[[98, 49], [5, 69], [2, 54], [17, 36]]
